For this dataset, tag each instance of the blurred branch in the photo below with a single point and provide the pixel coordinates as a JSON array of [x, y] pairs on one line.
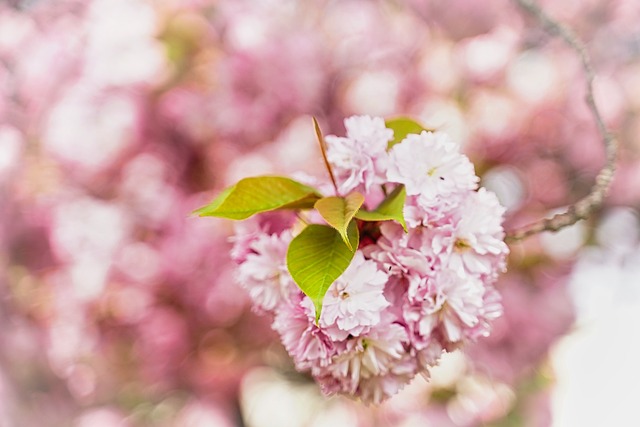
[[583, 208]]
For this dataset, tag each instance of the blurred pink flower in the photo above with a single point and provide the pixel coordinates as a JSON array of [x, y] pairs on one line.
[[102, 417], [90, 130]]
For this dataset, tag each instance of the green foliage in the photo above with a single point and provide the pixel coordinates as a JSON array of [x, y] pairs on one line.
[[320, 253], [403, 126], [339, 211], [317, 257], [391, 208], [260, 194]]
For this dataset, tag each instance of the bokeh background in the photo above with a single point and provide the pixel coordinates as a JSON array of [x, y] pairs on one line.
[[119, 117]]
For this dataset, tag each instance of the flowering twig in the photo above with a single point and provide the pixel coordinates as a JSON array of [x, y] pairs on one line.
[[585, 206]]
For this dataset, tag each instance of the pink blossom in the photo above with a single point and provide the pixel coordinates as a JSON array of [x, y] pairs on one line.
[[416, 214], [408, 295], [401, 253], [246, 232], [360, 160], [355, 300], [309, 346], [378, 388], [430, 166], [458, 307], [379, 353], [477, 241], [369, 132], [264, 272]]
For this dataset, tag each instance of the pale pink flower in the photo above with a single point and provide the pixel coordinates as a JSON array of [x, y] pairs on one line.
[[360, 367], [309, 345], [370, 355], [458, 307], [401, 253], [428, 356], [378, 388], [246, 232], [368, 132], [264, 272], [464, 304], [430, 166], [355, 300], [420, 312], [417, 214], [477, 242], [360, 160]]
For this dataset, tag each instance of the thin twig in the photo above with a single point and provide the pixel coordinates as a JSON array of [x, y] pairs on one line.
[[323, 149], [583, 208]]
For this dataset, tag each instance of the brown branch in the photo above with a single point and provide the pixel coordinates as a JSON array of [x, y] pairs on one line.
[[583, 208], [323, 149]]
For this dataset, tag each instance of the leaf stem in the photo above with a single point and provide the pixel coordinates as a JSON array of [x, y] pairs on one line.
[[323, 150], [583, 208], [302, 218]]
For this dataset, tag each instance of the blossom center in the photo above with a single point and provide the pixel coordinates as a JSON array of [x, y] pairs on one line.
[[461, 245], [275, 276]]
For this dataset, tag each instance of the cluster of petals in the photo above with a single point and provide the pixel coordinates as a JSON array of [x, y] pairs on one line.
[[408, 295], [359, 160]]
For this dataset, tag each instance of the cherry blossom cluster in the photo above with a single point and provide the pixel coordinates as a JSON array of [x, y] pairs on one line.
[[408, 295]]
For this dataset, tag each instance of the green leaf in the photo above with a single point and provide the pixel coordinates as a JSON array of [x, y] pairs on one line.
[[391, 208], [317, 257], [403, 126], [339, 211], [260, 194], [216, 202]]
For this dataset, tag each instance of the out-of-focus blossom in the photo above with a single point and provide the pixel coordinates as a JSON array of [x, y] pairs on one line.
[[117, 116], [121, 44], [89, 131], [12, 145], [102, 417]]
